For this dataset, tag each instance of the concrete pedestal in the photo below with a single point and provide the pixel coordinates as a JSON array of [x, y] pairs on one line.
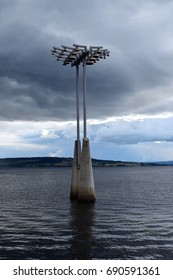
[[86, 190], [75, 172]]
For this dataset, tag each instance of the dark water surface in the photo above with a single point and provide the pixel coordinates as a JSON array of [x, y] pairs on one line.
[[131, 219]]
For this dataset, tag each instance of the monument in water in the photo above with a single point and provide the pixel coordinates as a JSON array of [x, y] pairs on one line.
[[82, 182]]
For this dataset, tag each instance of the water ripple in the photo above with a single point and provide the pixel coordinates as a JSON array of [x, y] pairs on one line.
[[131, 219]]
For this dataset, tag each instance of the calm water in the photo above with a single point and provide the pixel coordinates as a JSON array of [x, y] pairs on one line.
[[131, 219]]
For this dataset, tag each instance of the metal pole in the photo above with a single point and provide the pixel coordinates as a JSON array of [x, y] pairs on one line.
[[77, 114], [84, 97]]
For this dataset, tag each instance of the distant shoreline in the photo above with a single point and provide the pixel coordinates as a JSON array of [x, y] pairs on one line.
[[29, 162]]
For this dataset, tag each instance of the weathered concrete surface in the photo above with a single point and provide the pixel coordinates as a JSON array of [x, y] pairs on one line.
[[75, 180], [86, 190]]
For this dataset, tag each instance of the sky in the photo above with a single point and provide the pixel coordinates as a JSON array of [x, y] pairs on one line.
[[129, 95]]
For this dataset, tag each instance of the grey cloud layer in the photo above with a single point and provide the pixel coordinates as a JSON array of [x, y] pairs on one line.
[[136, 79]]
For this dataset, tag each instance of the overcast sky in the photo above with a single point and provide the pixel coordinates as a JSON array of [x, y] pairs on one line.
[[129, 95]]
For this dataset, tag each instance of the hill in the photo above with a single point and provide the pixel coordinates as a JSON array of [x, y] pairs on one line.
[[58, 162], [67, 162]]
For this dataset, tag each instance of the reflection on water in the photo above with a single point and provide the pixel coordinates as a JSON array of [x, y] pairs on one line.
[[131, 219], [82, 221]]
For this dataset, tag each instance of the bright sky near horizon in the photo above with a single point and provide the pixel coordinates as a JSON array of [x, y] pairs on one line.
[[129, 95]]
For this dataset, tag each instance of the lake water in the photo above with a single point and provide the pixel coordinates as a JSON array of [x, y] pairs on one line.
[[131, 219]]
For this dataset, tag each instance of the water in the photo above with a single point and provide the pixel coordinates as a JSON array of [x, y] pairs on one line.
[[131, 219]]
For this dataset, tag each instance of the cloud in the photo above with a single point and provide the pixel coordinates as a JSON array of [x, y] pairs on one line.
[[137, 78], [130, 138], [134, 131], [38, 94], [47, 134], [57, 153]]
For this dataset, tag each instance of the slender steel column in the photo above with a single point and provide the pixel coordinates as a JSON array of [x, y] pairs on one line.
[[77, 115], [84, 97]]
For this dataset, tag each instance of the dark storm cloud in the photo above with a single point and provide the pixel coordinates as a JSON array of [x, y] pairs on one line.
[[32, 84], [133, 79]]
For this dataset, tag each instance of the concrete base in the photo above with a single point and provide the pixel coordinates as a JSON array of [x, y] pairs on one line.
[[86, 190], [75, 171]]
